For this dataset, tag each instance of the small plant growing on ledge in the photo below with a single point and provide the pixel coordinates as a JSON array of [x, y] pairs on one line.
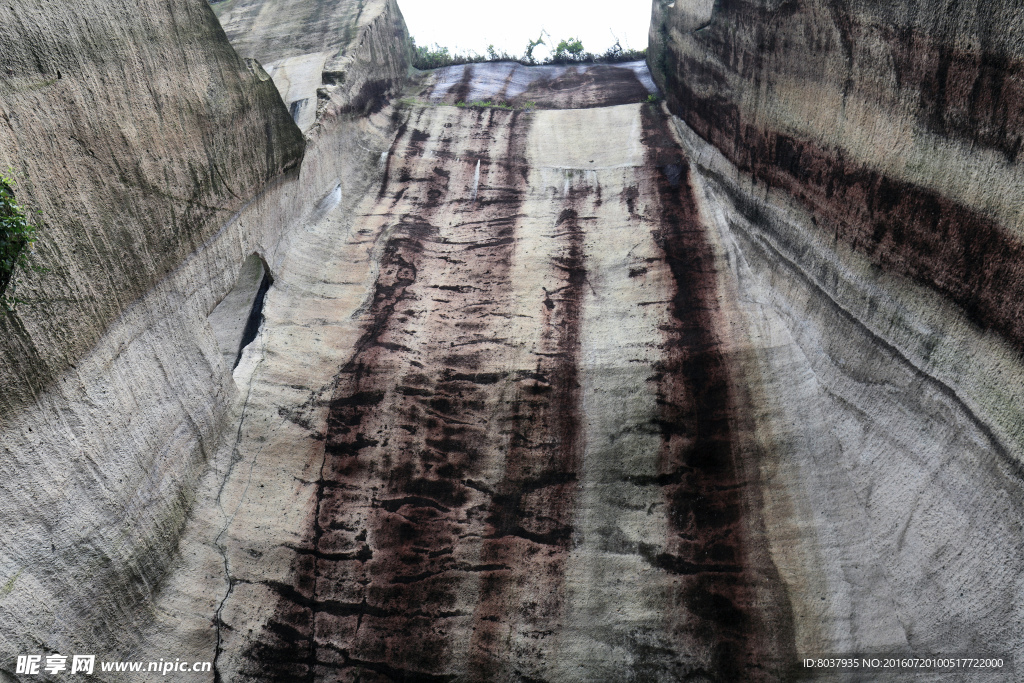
[[17, 237], [531, 45]]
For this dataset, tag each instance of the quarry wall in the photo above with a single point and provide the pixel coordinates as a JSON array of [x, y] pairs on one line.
[[725, 381], [859, 164], [161, 161], [894, 131]]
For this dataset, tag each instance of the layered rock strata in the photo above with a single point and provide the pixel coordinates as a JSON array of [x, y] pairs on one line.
[[859, 164], [554, 87], [91, 104], [578, 387], [893, 130]]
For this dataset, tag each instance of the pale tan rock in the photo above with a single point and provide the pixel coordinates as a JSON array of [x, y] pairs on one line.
[[529, 267], [862, 185]]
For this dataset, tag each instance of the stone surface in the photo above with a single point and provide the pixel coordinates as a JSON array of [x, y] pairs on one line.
[[91, 102], [859, 162], [585, 388], [546, 87], [161, 160], [895, 126], [505, 449], [139, 156], [326, 57], [236, 318]]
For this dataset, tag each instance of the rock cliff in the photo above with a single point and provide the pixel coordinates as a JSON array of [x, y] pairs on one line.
[[139, 133], [859, 163], [355, 381], [162, 162], [342, 56], [492, 438], [91, 106]]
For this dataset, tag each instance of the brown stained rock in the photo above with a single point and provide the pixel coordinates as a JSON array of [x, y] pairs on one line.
[[533, 504], [923, 220], [443, 540], [546, 87], [732, 603], [859, 165], [538, 395], [412, 423]]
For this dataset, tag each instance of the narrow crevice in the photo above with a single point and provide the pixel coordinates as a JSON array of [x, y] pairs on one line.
[[255, 319]]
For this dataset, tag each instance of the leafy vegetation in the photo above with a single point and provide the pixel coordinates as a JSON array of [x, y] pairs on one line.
[[568, 51], [530, 46], [435, 57], [571, 52], [17, 237]]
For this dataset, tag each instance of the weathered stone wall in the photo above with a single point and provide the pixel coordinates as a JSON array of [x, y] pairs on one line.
[[140, 133], [161, 160], [150, 148], [858, 165], [897, 125], [538, 394], [325, 56]]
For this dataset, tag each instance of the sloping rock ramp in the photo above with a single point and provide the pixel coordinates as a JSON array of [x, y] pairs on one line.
[[497, 439]]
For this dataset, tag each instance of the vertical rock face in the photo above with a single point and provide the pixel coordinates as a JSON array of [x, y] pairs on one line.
[[342, 56], [494, 428], [858, 163], [161, 160], [93, 99], [579, 387], [139, 133]]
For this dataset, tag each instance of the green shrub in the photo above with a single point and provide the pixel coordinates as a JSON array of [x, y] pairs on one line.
[[570, 50], [617, 53], [530, 46], [436, 57], [17, 237], [426, 58]]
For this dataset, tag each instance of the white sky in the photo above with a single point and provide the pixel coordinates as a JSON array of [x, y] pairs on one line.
[[465, 25]]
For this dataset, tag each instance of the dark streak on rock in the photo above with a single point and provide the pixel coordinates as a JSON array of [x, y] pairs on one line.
[[532, 507], [372, 97], [975, 96], [732, 602], [387, 163], [576, 87], [460, 91], [406, 432]]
